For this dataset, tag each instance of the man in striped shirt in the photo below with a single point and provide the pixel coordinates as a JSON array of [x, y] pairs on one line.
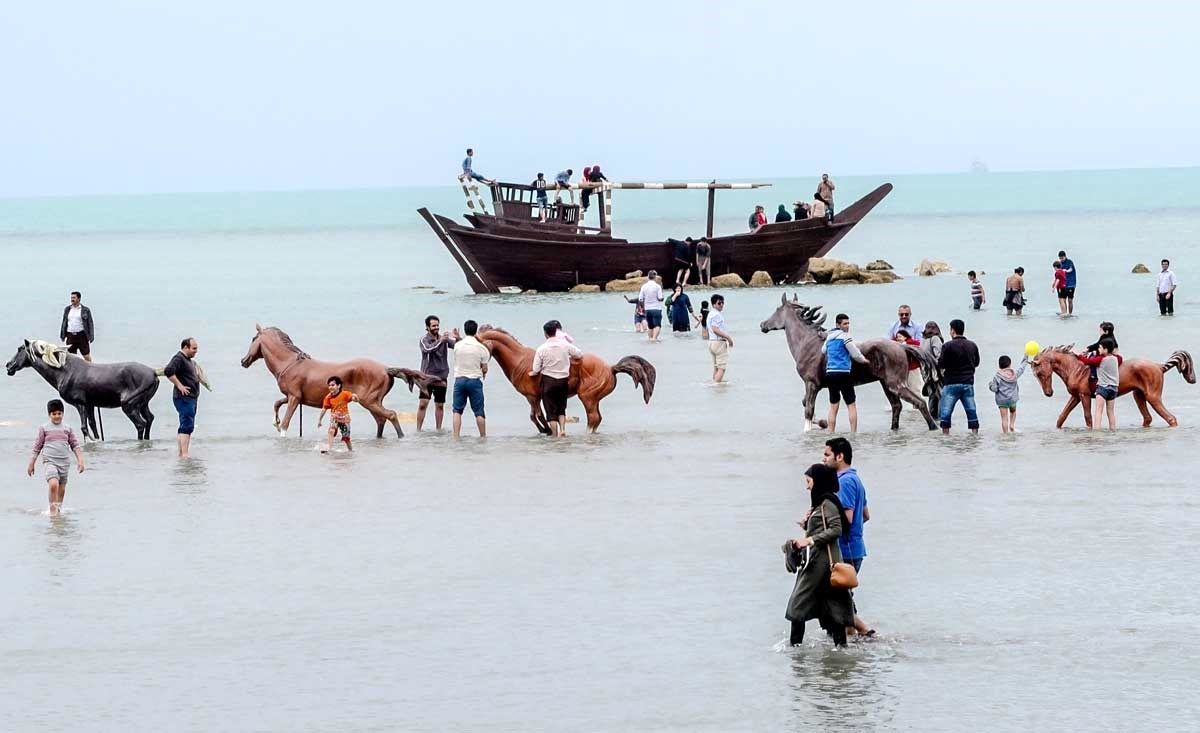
[[55, 443]]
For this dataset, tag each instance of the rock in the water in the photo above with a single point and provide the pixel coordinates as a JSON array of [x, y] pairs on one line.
[[928, 268], [761, 279], [630, 285], [728, 280], [439, 292], [530, 292], [872, 277], [847, 272], [878, 265], [634, 274], [585, 288], [808, 279], [1140, 269], [821, 269]]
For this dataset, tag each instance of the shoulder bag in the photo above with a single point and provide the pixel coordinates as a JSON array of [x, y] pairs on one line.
[[842, 575]]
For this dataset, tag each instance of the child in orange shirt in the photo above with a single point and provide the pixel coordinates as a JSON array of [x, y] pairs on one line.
[[337, 403]]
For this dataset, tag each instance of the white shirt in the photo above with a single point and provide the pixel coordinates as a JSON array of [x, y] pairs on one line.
[[553, 358], [469, 357], [75, 318], [651, 296], [1166, 281], [716, 319]]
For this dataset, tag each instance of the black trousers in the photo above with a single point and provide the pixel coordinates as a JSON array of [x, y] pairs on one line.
[[797, 635], [1166, 306]]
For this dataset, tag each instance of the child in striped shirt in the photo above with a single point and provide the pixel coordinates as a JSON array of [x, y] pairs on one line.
[[978, 298], [55, 443]]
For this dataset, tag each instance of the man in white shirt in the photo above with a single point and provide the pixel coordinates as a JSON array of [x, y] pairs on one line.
[[651, 297], [1167, 283], [553, 360], [470, 367], [719, 341], [77, 330]]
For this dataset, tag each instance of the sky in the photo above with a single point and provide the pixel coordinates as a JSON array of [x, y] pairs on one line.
[[142, 96]]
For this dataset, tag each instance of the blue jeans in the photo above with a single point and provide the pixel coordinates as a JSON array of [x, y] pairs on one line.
[[474, 176], [468, 389], [186, 407], [951, 394]]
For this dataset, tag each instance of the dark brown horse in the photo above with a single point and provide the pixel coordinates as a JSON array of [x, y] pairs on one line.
[[1142, 377], [591, 379], [305, 380]]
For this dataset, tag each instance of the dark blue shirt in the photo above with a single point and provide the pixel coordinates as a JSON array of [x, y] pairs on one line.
[[1069, 266], [853, 496]]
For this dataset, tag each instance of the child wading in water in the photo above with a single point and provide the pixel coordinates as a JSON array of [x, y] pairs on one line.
[[1108, 381], [1060, 287], [978, 297], [1004, 384], [337, 403], [55, 443]]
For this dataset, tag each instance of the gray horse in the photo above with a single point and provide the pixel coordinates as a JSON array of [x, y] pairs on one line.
[[86, 386], [888, 361]]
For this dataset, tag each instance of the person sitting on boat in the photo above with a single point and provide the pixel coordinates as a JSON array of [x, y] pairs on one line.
[[683, 259], [539, 187], [800, 213], [593, 176], [468, 173], [782, 215], [562, 182], [703, 261], [758, 218], [816, 210]]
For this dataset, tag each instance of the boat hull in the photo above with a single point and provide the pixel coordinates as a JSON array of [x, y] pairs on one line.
[[495, 255]]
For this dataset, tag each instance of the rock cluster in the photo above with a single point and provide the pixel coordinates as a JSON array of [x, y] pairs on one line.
[[585, 288], [825, 270], [1140, 269], [928, 268]]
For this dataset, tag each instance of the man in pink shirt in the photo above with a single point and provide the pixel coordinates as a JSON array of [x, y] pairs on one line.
[[553, 360]]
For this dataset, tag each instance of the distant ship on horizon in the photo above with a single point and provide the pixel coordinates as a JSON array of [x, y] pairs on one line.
[[978, 166]]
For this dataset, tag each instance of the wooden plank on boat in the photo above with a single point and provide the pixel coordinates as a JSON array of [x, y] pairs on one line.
[[478, 282]]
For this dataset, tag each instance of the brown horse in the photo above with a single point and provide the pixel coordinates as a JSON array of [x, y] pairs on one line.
[[1142, 377], [304, 380], [591, 379]]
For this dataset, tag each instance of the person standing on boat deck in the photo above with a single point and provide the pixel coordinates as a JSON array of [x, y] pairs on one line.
[[840, 353], [593, 176], [78, 331], [468, 172], [703, 261], [435, 362], [651, 296], [958, 362], [825, 194], [758, 218], [1068, 267], [1014, 292], [552, 361], [562, 182], [1166, 290], [539, 188], [800, 213], [816, 210], [904, 322], [719, 341], [782, 215]]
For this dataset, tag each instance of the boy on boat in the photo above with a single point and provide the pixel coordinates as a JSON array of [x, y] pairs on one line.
[[562, 182], [55, 443], [337, 403], [539, 187]]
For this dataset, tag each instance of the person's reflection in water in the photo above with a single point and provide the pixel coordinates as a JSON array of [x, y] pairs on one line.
[[62, 544], [190, 476]]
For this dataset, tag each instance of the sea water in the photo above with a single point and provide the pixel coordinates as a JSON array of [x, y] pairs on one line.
[[630, 580]]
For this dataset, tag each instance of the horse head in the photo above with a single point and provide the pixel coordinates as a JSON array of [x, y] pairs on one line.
[[20, 360], [1043, 366], [255, 352], [779, 319]]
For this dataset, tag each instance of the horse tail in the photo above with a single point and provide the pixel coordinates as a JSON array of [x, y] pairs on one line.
[[641, 371], [929, 368], [1182, 361], [412, 377]]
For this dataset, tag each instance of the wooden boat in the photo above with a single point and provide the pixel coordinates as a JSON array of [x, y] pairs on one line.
[[513, 248]]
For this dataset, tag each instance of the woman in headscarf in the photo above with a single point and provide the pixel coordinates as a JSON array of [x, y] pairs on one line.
[[782, 215], [931, 339], [681, 310], [592, 176], [813, 596]]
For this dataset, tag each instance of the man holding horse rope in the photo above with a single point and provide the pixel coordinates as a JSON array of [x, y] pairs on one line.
[[552, 361]]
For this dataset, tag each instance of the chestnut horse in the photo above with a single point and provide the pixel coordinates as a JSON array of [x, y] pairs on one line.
[[1142, 377], [305, 380], [591, 379]]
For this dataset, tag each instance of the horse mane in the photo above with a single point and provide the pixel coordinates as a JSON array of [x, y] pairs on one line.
[[1060, 349], [287, 342], [810, 316], [488, 328]]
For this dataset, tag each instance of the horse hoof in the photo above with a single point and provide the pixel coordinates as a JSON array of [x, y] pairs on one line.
[[808, 426], [283, 433]]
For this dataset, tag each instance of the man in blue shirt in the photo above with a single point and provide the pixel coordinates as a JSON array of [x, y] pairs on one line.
[[853, 495], [1069, 267], [468, 172], [840, 354]]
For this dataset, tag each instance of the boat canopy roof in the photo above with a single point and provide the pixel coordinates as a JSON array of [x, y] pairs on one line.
[[652, 186]]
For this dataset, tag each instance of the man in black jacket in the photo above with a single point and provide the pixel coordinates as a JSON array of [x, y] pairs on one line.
[[77, 330], [959, 359]]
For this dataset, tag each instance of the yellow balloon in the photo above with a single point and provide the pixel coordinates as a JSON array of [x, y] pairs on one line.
[[1032, 348]]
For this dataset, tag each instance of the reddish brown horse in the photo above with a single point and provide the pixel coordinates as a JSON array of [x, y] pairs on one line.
[[591, 379], [305, 380], [1142, 377]]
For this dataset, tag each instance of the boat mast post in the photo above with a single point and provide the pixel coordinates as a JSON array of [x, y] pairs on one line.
[[605, 207], [712, 204]]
